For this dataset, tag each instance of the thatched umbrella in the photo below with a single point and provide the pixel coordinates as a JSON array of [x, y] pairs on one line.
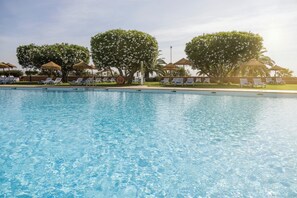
[[183, 62], [6, 66], [276, 68], [51, 66], [252, 66], [82, 65], [3, 65], [170, 67]]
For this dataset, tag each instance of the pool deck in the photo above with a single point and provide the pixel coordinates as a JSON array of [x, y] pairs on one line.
[[172, 89]]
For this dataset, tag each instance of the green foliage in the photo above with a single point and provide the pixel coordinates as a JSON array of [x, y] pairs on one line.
[[31, 72], [65, 55], [252, 71], [25, 55], [218, 54], [284, 73], [15, 73], [124, 50]]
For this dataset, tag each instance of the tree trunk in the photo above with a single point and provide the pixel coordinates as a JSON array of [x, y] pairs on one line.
[[65, 76], [147, 75]]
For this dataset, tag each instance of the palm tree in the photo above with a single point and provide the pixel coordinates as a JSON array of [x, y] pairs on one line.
[[285, 73]]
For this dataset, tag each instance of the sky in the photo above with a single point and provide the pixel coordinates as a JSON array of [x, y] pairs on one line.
[[171, 22]]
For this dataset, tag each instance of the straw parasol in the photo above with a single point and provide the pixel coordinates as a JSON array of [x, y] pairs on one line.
[[82, 65], [276, 68], [6, 66], [170, 67], [183, 62], [3, 65], [253, 67], [10, 65], [51, 66]]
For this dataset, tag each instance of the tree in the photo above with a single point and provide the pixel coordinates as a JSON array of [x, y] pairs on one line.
[[285, 72], [65, 55], [220, 53], [124, 50], [25, 55]]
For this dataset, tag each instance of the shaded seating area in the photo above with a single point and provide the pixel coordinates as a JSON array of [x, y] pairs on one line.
[[8, 80]]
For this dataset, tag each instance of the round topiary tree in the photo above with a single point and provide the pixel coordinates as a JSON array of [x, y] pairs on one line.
[[65, 55], [124, 50], [216, 55]]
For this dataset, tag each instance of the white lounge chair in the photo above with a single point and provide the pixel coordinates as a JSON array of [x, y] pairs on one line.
[[57, 81], [112, 80], [258, 82], [87, 81], [189, 81], [98, 80], [105, 79], [179, 81], [47, 81], [77, 81], [165, 81], [280, 81], [137, 80], [198, 80], [173, 80], [244, 82], [9, 80], [2, 78], [206, 80], [269, 81]]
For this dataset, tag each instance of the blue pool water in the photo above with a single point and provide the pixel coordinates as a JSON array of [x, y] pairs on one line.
[[124, 144]]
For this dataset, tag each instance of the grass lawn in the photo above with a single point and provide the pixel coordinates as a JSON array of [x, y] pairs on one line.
[[227, 86], [200, 85]]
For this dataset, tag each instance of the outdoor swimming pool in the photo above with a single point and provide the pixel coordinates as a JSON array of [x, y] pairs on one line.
[[135, 144]]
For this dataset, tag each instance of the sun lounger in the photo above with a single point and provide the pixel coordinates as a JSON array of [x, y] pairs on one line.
[[47, 81], [173, 80], [179, 81], [57, 81], [280, 81], [105, 79], [98, 80], [198, 80], [189, 81], [77, 81], [269, 81], [88, 81], [165, 81], [2, 78], [206, 80], [258, 82], [111, 80], [244, 82], [9, 80]]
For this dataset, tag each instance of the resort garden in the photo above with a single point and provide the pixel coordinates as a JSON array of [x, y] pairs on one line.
[[123, 57]]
